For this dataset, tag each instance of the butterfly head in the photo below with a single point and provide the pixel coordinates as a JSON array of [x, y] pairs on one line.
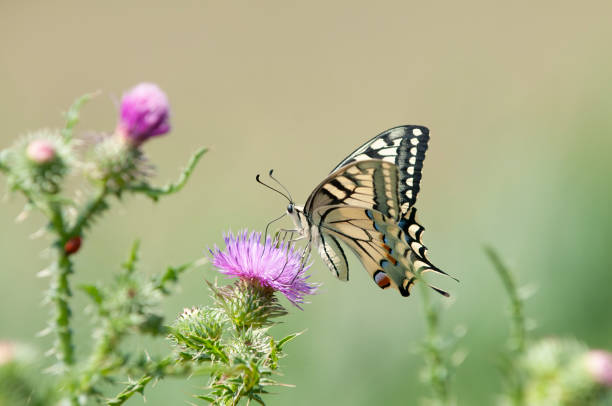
[[299, 218], [295, 212]]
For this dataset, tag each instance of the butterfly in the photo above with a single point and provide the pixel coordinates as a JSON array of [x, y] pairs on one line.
[[367, 203]]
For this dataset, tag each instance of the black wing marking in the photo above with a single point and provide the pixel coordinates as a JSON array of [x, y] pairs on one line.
[[333, 256], [371, 184], [413, 234], [378, 242], [404, 146]]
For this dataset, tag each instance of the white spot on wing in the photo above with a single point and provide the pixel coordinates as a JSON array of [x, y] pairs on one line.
[[412, 160], [414, 141], [379, 143], [417, 132], [388, 151]]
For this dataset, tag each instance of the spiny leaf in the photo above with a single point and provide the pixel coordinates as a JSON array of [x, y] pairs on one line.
[[73, 113], [130, 264], [171, 188], [285, 340], [93, 292]]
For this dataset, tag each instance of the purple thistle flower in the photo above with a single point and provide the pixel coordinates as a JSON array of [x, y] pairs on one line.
[[144, 113], [276, 267]]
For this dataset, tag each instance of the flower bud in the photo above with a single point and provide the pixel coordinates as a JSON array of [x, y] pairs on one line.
[[7, 352], [72, 245], [599, 365], [144, 113], [41, 151]]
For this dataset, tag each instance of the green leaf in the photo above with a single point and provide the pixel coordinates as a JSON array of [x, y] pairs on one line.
[[171, 188], [130, 264], [73, 113], [172, 274], [93, 292], [285, 340], [209, 399]]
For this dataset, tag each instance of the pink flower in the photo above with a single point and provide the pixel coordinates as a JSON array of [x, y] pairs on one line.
[[599, 365], [7, 352], [280, 268], [41, 151], [144, 113]]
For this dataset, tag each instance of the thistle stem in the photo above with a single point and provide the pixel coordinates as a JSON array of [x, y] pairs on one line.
[[96, 205], [60, 293], [438, 371], [519, 330]]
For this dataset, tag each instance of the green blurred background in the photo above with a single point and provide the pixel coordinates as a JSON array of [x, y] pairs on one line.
[[517, 96]]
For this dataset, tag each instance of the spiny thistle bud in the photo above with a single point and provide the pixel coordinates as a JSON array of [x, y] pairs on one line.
[[144, 113], [38, 162], [115, 161], [7, 352], [41, 151], [565, 372], [599, 365], [197, 332]]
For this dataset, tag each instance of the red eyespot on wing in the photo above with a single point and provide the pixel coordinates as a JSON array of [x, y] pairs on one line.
[[381, 279]]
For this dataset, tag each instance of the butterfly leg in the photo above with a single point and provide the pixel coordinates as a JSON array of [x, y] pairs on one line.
[[305, 257], [284, 242]]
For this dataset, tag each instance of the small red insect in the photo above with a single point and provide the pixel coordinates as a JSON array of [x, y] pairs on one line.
[[72, 245]]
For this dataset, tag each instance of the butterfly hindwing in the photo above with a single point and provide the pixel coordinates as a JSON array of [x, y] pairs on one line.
[[368, 184], [333, 256], [404, 146], [377, 240], [413, 234]]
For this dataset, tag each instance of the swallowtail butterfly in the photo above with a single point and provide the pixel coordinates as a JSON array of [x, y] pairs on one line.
[[367, 202]]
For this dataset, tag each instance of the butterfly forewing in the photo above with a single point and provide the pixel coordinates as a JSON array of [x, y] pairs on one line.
[[404, 146], [371, 184]]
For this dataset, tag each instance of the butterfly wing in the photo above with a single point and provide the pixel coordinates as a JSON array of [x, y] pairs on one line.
[[378, 242], [367, 203], [371, 184], [404, 146], [333, 256]]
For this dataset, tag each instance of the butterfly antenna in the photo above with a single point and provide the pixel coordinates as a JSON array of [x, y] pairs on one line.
[[270, 187], [281, 185]]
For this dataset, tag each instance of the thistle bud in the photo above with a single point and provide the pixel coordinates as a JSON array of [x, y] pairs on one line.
[[41, 151], [599, 365], [144, 113], [7, 352]]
